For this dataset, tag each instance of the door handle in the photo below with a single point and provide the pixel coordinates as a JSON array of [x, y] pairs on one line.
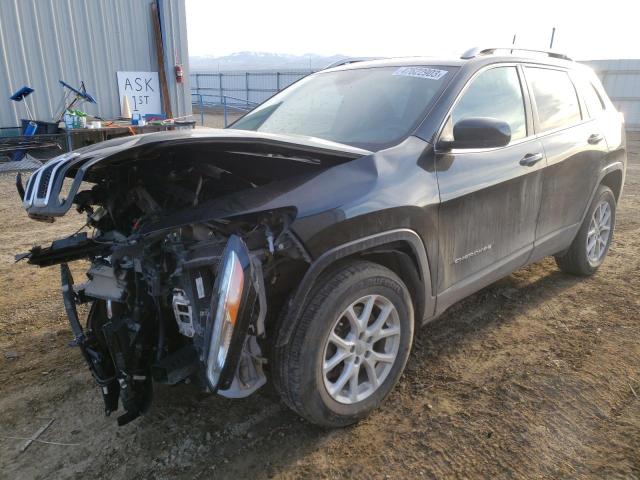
[[595, 138], [530, 159]]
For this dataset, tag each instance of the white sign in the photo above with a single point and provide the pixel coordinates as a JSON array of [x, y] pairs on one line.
[[143, 90]]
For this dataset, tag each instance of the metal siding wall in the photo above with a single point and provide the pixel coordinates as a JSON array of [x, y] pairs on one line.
[[43, 41], [621, 80]]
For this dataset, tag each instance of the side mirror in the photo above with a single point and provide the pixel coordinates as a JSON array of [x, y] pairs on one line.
[[478, 132]]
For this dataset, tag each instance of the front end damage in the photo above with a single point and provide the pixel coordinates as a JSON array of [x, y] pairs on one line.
[[166, 309], [186, 251]]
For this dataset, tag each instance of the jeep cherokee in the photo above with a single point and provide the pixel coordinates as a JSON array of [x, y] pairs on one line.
[[306, 243]]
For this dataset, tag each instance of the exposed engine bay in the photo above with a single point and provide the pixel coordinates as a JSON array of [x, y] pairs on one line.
[[186, 263]]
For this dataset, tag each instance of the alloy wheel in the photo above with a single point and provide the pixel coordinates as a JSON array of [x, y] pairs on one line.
[[361, 349], [599, 232]]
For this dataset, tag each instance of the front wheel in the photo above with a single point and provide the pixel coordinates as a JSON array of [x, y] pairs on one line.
[[590, 247], [349, 347]]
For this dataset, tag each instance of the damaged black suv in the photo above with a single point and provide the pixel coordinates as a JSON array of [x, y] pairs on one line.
[[304, 244]]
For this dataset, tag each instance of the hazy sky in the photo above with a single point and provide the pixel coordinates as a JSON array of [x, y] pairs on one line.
[[585, 29]]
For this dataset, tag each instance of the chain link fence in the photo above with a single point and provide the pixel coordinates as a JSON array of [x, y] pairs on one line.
[[242, 88], [220, 98]]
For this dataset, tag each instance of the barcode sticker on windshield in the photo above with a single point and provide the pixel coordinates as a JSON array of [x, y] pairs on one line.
[[421, 72]]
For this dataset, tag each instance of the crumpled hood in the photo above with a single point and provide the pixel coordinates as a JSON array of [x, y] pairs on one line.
[[115, 145], [43, 191]]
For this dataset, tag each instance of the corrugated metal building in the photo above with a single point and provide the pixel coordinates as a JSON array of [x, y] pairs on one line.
[[621, 80], [43, 41]]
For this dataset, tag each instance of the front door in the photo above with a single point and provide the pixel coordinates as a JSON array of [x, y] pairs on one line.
[[490, 198]]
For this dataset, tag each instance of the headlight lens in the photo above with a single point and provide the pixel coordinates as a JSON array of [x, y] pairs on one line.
[[229, 298]]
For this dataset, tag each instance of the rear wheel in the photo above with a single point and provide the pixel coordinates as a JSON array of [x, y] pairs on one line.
[[590, 247], [349, 346]]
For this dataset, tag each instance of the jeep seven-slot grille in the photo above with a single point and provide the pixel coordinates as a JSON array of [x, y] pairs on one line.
[[32, 181], [44, 180]]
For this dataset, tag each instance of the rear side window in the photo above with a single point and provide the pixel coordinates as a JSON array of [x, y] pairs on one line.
[[495, 93], [555, 97]]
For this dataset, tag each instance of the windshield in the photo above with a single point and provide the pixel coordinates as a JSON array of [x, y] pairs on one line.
[[370, 108]]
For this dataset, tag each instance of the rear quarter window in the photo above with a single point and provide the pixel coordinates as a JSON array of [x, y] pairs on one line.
[[592, 99], [555, 96]]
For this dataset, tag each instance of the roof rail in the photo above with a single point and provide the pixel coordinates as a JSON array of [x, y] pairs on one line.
[[477, 51], [347, 61]]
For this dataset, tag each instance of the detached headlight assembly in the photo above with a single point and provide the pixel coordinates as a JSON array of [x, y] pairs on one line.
[[233, 288]]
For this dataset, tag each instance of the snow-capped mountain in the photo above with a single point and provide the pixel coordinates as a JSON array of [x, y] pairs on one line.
[[250, 61]]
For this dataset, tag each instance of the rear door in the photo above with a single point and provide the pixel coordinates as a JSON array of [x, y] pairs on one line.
[[490, 198], [575, 147]]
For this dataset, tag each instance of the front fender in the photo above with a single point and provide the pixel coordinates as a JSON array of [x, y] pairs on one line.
[[404, 236]]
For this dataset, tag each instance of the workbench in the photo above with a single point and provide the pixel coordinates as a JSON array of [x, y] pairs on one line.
[[81, 137]]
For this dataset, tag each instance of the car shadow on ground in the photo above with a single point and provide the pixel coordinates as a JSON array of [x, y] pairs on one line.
[[490, 306]]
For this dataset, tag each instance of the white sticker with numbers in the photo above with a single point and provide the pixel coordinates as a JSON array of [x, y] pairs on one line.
[[421, 72]]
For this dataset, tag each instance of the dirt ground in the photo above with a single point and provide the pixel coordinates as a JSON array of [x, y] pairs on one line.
[[536, 376]]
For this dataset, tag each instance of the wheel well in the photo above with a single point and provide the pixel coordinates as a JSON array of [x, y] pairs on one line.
[[613, 180], [401, 250], [402, 262]]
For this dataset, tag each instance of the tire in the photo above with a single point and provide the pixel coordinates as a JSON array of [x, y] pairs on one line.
[[580, 259], [298, 365]]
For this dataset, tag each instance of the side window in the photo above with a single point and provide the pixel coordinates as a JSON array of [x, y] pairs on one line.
[[555, 97], [495, 93]]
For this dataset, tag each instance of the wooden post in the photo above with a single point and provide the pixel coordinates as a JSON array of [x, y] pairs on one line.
[[162, 74]]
